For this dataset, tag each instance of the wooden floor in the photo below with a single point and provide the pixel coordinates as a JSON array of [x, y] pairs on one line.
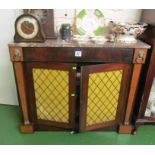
[[10, 134]]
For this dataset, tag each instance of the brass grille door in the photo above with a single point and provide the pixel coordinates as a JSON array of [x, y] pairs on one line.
[[54, 88], [103, 93]]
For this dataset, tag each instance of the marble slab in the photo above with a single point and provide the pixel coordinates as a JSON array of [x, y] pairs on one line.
[[61, 43]]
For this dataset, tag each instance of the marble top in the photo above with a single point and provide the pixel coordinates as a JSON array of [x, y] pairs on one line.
[[61, 43]]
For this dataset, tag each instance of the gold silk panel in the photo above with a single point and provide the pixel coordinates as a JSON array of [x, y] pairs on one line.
[[103, 95], [52, 94]]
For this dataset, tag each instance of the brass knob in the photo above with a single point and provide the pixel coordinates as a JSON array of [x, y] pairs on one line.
[[72, 94], [74, 68]]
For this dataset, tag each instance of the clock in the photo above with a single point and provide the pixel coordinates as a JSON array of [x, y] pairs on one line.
[[28, 29], [46, 17]]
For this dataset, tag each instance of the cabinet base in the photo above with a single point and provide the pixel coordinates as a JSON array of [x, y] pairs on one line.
[[26, 128], [126, 129], [145, 121]]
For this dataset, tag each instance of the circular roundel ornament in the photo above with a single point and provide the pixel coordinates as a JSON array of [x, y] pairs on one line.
[[90, 22], [28, 29]]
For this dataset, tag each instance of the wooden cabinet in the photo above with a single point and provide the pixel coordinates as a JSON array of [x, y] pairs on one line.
[[67, 86]]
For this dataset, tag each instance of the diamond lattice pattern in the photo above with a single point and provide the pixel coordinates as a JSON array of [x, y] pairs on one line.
[[103, 95], [51, 94]]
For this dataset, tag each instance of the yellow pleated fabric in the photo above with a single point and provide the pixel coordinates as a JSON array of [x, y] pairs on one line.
[[103, 95], [52, 94]]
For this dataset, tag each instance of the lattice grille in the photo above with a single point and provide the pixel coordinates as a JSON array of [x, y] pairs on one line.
[[103, 95], [52, 94]]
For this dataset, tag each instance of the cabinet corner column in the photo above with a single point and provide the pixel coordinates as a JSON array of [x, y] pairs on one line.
[[26, 127], [138, 61]]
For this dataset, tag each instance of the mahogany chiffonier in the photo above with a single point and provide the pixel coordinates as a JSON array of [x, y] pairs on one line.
[[77, 87]]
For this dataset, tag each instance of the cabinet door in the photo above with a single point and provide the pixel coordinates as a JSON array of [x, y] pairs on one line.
[[51, 94], [104, 90]]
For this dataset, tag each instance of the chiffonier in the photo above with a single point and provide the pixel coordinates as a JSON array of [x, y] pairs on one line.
[[77, 87]]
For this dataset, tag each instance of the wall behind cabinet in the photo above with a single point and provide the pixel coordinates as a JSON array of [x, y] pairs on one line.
[[8, 93], [131, 15]]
